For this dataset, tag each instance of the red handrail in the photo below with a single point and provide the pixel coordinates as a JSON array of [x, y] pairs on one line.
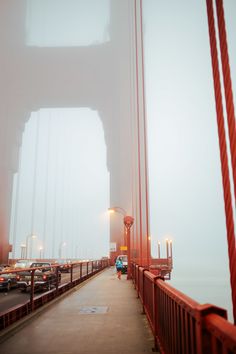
[[179, 324]]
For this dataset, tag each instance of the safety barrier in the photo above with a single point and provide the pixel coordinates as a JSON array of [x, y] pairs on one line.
[[179, 324], [84, 271]]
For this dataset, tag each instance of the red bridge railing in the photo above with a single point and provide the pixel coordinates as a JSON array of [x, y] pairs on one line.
[[179, 324], [85, 270]]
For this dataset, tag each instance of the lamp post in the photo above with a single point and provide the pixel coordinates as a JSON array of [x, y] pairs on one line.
[[167, 248], [159, 249], [40, 252], [23, 251], [170, 242], [62, 244], [27, 244], [128, 222]]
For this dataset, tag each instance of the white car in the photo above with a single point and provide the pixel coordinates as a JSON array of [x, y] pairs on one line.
[[23, 263]]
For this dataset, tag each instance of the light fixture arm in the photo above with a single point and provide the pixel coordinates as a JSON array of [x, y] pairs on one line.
[[118, 210]]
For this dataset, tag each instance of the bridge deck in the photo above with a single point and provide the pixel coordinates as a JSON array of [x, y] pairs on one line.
[[102, 316]]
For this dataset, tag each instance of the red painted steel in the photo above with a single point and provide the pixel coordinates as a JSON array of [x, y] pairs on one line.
[[145, 136], [227, 86], [181, 325], [128, 222], [140, 236], [223, 154]]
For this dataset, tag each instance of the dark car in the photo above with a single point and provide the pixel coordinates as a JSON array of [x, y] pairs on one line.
[[7, 280], [65, 265], [44, 278]]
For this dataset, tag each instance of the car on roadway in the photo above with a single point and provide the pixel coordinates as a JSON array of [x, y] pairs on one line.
[[23, 263], [64, 265], [44, 278], [124, 260], [7, 280]]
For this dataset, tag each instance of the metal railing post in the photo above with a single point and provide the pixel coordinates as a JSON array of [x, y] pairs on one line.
[[81, 270], [143, 295], [71, 273], [32, 290], [155, 309], [57, 277]]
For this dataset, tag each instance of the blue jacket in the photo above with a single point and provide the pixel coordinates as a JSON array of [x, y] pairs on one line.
[[119, 263]]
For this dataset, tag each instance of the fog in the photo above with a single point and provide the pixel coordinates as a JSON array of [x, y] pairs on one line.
[[61, 192], [65, 103], [69, 132], [81, 23], [185, 184]]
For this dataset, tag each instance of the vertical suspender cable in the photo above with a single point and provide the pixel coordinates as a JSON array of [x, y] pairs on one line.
[[145, 137], [138, 133], [227, 87], [223, 154], [16, 206], [132, 128], [55, 154], [45, 215], [34, 183]]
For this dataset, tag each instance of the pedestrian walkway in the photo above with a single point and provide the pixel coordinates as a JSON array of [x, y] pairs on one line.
[[102, 316]]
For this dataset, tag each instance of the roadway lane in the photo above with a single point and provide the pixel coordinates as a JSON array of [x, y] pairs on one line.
[[16, 297], [12, 298]]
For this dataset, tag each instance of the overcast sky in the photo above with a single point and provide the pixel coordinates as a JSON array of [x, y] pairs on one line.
[[186, 197]]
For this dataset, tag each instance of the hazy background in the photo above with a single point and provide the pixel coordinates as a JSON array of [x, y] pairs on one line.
[[186, 197], [69, 53], [61, 192]]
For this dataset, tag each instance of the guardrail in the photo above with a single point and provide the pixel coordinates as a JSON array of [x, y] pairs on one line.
[[179, 324], [84, 271]]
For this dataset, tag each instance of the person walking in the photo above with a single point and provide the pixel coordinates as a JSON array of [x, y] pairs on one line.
[[119, 265]]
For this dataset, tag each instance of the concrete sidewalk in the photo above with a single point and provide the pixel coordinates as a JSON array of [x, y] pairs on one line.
[[103, 316]]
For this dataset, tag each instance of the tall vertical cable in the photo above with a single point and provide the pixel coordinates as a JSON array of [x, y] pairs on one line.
[[46, 183], [138, 134], [55, 199], [227, 87], [16, 206], [34, 184], [132, 127], [223, 154], [145, 137]]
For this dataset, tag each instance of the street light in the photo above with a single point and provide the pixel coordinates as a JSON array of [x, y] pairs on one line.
[[62, 244], [40, 252], [122, 211], [27, 244], [118, 210], [23, 251], [159, 249], [128, 222]]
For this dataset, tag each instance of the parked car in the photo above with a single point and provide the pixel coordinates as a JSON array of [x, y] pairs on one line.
[[124, 260], [65, 265], [44, 278], [7, 280]]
